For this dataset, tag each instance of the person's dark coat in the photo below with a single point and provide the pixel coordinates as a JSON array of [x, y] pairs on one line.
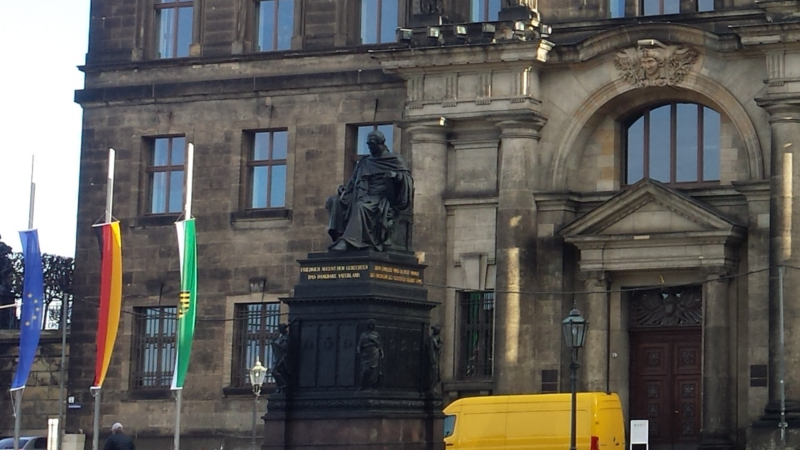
[[119, 441]]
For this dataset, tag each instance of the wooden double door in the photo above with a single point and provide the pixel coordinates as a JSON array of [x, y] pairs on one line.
[[665, 385]]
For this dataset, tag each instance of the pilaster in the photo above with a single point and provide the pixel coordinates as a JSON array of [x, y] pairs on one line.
[[595, 354], [516, 257], [429, 169], [717, 380]]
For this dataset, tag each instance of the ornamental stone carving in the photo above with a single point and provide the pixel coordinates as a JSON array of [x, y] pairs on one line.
[[655, 64]]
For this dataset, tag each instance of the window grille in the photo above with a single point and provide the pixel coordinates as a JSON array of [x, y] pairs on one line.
[[476, 335], [154, 347], [255, 325]]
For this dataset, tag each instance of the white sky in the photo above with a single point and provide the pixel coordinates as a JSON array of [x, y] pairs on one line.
[[44, 41]]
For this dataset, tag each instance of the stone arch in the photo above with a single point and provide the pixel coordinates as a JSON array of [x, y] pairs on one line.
[[694, 85]]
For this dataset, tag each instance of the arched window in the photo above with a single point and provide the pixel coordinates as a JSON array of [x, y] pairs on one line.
[[674, 143]]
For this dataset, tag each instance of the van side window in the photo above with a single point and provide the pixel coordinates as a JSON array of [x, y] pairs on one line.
[[449, 425]]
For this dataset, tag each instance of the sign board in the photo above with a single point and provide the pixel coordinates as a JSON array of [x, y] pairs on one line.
[[639, 434]]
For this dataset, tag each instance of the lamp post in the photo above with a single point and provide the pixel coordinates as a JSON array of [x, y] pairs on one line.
[[574, 327], [257, 375]]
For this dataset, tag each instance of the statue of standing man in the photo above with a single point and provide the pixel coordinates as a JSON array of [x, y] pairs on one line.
[[280, 358], [364, 210], [370, 351]]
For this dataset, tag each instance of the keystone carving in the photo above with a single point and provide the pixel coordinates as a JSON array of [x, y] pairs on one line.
[[655, 64]]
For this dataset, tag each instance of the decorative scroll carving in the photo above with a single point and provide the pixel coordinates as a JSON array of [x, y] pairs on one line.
[[667, 307], [655, 64]]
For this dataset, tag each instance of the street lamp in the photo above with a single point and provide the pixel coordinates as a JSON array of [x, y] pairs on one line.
[[257, 375], [574, 327]]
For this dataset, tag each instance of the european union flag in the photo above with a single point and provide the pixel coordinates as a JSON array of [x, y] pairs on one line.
[[30, 326]]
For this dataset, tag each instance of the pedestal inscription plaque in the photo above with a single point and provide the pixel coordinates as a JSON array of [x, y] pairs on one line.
[[350, 306]]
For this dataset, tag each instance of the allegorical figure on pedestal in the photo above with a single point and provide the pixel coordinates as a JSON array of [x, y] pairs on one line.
[[370, 351], [280, 358], [434, 355], [364, 210]]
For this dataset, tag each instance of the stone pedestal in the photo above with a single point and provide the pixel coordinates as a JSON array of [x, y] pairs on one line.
[[338, 293]]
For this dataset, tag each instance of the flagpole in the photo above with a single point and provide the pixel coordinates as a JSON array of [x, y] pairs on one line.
[[189, 173], [17, 411], [18, 392], [187, 213], [96, 425], [32, 198], [97, 390]]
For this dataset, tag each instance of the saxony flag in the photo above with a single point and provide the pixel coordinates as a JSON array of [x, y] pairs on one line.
[[187, 307], [110, 297]]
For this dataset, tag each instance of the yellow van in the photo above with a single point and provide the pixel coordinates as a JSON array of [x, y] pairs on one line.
[[538, 421]]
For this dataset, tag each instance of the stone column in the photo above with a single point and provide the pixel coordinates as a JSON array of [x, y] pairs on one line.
[[429, 228], [717, 389], [595, 367], [784, 235], [516, 257]]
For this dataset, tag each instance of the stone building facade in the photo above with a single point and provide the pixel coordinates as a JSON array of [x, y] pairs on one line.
[[631, 158]]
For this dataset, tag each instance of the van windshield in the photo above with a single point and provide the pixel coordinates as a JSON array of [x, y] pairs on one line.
[[449, 425]]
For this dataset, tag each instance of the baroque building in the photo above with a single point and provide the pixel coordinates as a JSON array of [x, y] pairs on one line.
[[630, 157]]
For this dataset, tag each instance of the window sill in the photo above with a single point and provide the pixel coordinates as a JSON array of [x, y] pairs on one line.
[[150, 394], [468, 385], [233, 391], [257, 219], [156, 220]]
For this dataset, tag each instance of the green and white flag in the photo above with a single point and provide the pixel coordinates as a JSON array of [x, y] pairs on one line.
[[187, 308]]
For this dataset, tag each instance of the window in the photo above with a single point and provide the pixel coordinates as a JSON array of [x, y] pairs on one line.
[[358, 143], [154, 347], [165, 175], [705, 5], [275, 24], [658, 7], [379, 21], [255, 325], [266, 168], [617, 8], [674, 143], [476, 319], [174, 28], [484, 10]]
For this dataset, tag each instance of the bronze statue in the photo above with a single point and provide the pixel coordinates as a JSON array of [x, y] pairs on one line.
[[370, 350], [434, 354], [280, 358], [363, 211]]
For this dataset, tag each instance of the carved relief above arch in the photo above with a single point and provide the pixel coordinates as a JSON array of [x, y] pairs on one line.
[[693, 86]]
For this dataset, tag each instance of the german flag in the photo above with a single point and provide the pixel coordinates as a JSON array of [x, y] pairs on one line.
[[110, 297]]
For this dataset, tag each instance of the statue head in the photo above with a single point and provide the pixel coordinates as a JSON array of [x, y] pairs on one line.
[[376, 142], [371, 324], [283, 328], [436, 329]]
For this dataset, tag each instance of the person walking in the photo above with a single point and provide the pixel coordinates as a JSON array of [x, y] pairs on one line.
[[119, 440]]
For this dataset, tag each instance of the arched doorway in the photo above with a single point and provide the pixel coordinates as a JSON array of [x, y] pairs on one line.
[[666, 364]]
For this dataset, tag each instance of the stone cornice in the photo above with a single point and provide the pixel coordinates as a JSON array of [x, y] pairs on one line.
[[768, 33], [464, 58]]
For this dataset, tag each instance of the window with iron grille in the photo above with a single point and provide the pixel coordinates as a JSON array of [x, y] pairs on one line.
[[476, 338], [154, 347], [255, 325], [274, 24], [266, 169], [173, 28], [165, 175], [674, 143]]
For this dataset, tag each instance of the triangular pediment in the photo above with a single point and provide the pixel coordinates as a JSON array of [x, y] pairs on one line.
[[646, 208]]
